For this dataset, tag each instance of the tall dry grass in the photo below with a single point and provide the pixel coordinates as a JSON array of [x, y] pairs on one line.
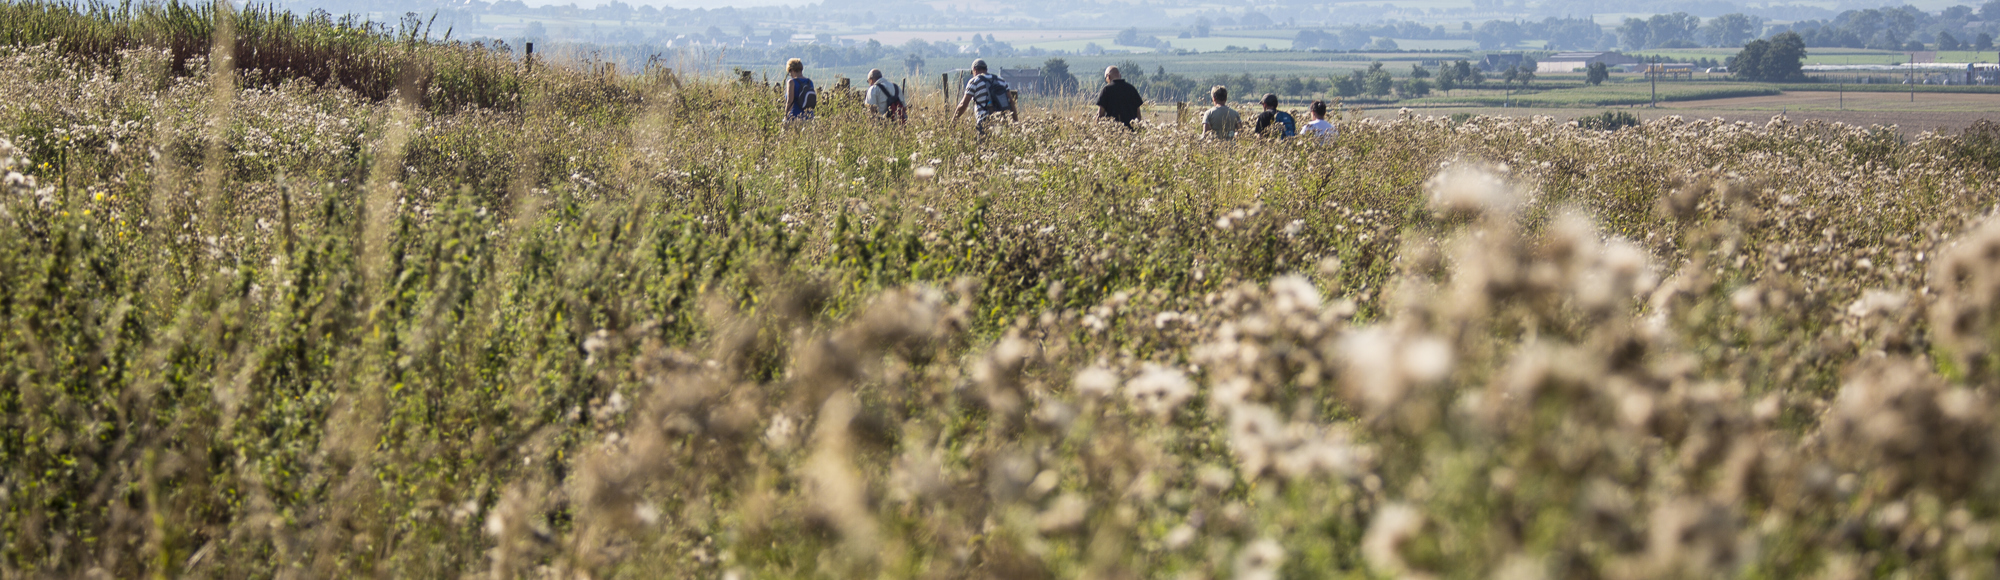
[[643, 328]]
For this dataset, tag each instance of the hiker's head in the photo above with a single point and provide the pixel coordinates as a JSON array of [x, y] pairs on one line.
[[1270, 100], [1219, 93], [795, 67], [1111, 74], [979, 66], [1319, 109], [874, 75]]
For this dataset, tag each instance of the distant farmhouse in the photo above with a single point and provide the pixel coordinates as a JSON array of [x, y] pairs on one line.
[[1564, 62], [1023, 80]]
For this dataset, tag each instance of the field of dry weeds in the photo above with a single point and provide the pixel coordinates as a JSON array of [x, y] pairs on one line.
[[262, 324]]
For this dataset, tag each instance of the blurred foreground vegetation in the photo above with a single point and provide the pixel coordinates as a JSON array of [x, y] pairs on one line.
[[265, 323]]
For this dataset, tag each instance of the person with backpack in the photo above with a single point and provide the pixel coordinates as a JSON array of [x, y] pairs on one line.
[[1320, 127], [800, 98], [1221, 121], [989, 92], [1119, 101], [885, 98], [1274, 123]]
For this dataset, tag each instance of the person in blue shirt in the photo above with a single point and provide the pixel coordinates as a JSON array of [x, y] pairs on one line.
[[800, 98]]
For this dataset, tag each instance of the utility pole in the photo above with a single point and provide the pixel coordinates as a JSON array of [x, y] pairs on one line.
[[1654, 71]]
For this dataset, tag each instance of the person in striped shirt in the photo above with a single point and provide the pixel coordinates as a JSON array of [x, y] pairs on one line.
[[989, 92]]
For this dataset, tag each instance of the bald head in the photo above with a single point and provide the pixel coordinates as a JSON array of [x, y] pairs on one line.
[[1111, 74]]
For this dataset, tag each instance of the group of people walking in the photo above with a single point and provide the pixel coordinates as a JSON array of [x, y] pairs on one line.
[[989, 95]]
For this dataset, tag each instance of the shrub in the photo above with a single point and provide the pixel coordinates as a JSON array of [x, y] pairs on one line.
[[1608, 121]]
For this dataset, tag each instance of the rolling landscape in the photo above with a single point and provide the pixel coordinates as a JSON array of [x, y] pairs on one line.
[[1659, 290]]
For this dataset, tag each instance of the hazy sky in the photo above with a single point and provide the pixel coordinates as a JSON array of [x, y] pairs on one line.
[[1609, 7], [675, 3]]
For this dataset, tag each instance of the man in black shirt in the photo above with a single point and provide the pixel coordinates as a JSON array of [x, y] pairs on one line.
[[1273, 123], [1119, 100]]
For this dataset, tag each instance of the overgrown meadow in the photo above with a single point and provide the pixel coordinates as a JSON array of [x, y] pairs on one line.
[[262, 323]]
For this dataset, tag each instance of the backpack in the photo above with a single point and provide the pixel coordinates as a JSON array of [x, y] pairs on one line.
[[1291, 126], [804, 95], [996, 95], [895, 110]]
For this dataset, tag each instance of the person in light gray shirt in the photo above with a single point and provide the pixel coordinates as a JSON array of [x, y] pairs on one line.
[[885, 98]]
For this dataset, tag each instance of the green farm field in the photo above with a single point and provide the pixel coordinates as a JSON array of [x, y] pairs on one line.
[[1623, 92], [285, 298]]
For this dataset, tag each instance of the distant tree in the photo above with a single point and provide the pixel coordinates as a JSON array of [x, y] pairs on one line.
[[1776, 60], [1913, 46], [1990, 11], [1383, 43], [1292, 86], [1596, 73], [1351, 38], [1056, 78], [1308, 40], [1748, 64], [1668, 29], [1468, 74], [1379, 80], [913, 62], [1350, 85], [1203, 24], [1633, 34], [1983, 42], [1660, 30], [1513, 73], [1499, 34], [1527, 74], [1956, 13], [1417, 71], [1132, 37], [1447, 78], [1569, 33], [1257, 19], [1731, 29], [1946, 41], [1134, 73], [1413, 88], [1246, 84]]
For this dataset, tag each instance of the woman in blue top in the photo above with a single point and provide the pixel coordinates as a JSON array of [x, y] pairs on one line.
[[799, 96]]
